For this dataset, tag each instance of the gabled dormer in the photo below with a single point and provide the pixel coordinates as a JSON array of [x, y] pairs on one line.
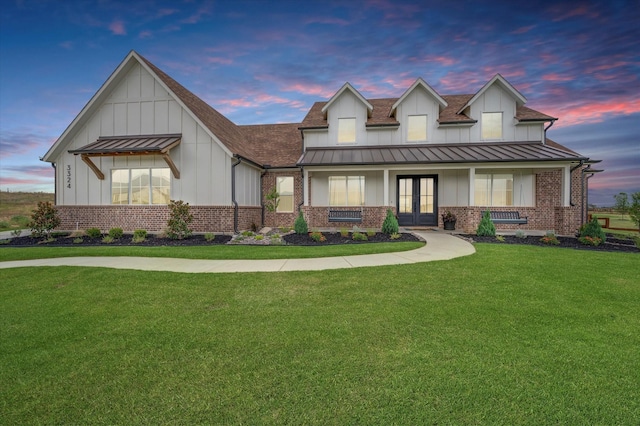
[[346, 114], [418, 110]]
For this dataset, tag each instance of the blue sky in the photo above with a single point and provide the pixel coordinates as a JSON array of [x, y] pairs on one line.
[[268, 61]]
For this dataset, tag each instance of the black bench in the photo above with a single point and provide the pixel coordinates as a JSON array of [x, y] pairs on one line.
[[341, 215], [507, 217]]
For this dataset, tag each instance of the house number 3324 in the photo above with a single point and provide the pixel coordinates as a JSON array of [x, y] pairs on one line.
[[69, 176]]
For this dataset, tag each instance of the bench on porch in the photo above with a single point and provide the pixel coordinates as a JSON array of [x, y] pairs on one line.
[[507, 217], [344, 215]]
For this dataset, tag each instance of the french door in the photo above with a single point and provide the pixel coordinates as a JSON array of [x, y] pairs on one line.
[[418, 200]]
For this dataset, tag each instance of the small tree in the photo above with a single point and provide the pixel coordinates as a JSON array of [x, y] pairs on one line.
[[300, 225], [622, 203], [390, 224], [44, 219], [180, 218], [593, 229], [486, 228], [272, 200], [634, 209]]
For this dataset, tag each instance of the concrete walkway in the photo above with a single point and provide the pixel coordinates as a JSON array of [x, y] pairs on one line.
[[440, 246]]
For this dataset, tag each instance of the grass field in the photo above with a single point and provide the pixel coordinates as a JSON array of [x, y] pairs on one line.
[[617, 220], [510, 335], [16, 208]]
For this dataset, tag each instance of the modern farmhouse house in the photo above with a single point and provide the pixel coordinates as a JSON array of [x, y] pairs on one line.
[[143, 139]]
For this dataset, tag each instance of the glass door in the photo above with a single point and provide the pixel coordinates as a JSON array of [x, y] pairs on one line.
[[417, 200]]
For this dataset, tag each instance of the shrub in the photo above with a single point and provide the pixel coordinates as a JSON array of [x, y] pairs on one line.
[[395, 236], [590, 241], [78, 240], [317, 237], [209, 236], [520, 234], [371, 233], [259, 237], [358, 236], [116, 233], [139, 235], [180, 218], [44, 219], [500, 238], [486, 228], [344, 232], [16, 233], [4, 224], [550, 239], [390, 224], [108, 239], [247, 233], [593, 229], [300, 225], [93, 233]]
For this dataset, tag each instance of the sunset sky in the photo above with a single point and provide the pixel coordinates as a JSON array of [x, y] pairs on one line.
[[268, 61]]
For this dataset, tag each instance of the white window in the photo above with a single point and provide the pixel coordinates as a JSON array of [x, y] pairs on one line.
[[493, 189], [416, 128], [346, 190], [346, 130], [140, 186], [284, 187], [491, 125]]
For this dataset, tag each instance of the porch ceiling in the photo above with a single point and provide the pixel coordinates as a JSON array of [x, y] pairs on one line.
[[436, 153]]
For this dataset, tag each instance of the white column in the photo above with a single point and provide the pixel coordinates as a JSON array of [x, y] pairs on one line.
[[566, 186], [472, 186], [305, 187], [385, 185]]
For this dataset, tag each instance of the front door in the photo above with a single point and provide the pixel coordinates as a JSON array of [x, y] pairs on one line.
[[417, 200]]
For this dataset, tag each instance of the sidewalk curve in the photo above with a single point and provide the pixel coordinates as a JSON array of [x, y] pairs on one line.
[[439, 246]]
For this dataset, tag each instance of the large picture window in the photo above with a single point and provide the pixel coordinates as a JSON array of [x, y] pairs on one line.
[[284, 186], [491, 125], [140, 186], [346, 130], [346, 190], [493, 189], [417, 128]]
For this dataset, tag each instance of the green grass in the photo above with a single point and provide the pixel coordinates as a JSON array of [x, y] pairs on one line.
[[510, 335], [208, 252], [619, 221], [16, 208]]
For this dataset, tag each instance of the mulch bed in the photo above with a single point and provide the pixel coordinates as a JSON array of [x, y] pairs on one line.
[[337, 238], [125, 240], [613, 243]]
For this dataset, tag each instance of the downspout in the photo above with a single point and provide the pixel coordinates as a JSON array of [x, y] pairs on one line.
[[55, 184], [301, 172], [264, 172], [233, 194], [571, 203]]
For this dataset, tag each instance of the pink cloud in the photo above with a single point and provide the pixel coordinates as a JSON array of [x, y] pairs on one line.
[[204, 10], [145, 34], [310, 89], [561, 12], [523, 30], [573, 113], [20, 181], [219, 60], [556, 77], [117, 28]]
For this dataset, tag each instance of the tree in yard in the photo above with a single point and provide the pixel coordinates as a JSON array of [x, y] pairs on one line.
[[622, 203], [634, 209]]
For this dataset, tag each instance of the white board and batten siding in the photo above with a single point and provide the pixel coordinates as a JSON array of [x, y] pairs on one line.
[[420, 102], [139, 105]]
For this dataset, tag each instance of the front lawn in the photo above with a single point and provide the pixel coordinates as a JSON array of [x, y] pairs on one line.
[[208, 252], [510, 335]]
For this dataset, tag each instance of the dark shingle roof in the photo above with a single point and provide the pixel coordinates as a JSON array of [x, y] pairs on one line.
[[130, 144], [276, 145]]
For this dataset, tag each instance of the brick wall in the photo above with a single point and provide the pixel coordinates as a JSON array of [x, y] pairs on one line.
[[275, 219], [548, 215], [154, 218], [372, 217]]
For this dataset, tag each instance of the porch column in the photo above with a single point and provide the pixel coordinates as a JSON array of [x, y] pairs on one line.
[[305, 187], [385, 186], [566, 186], [472, 186]]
